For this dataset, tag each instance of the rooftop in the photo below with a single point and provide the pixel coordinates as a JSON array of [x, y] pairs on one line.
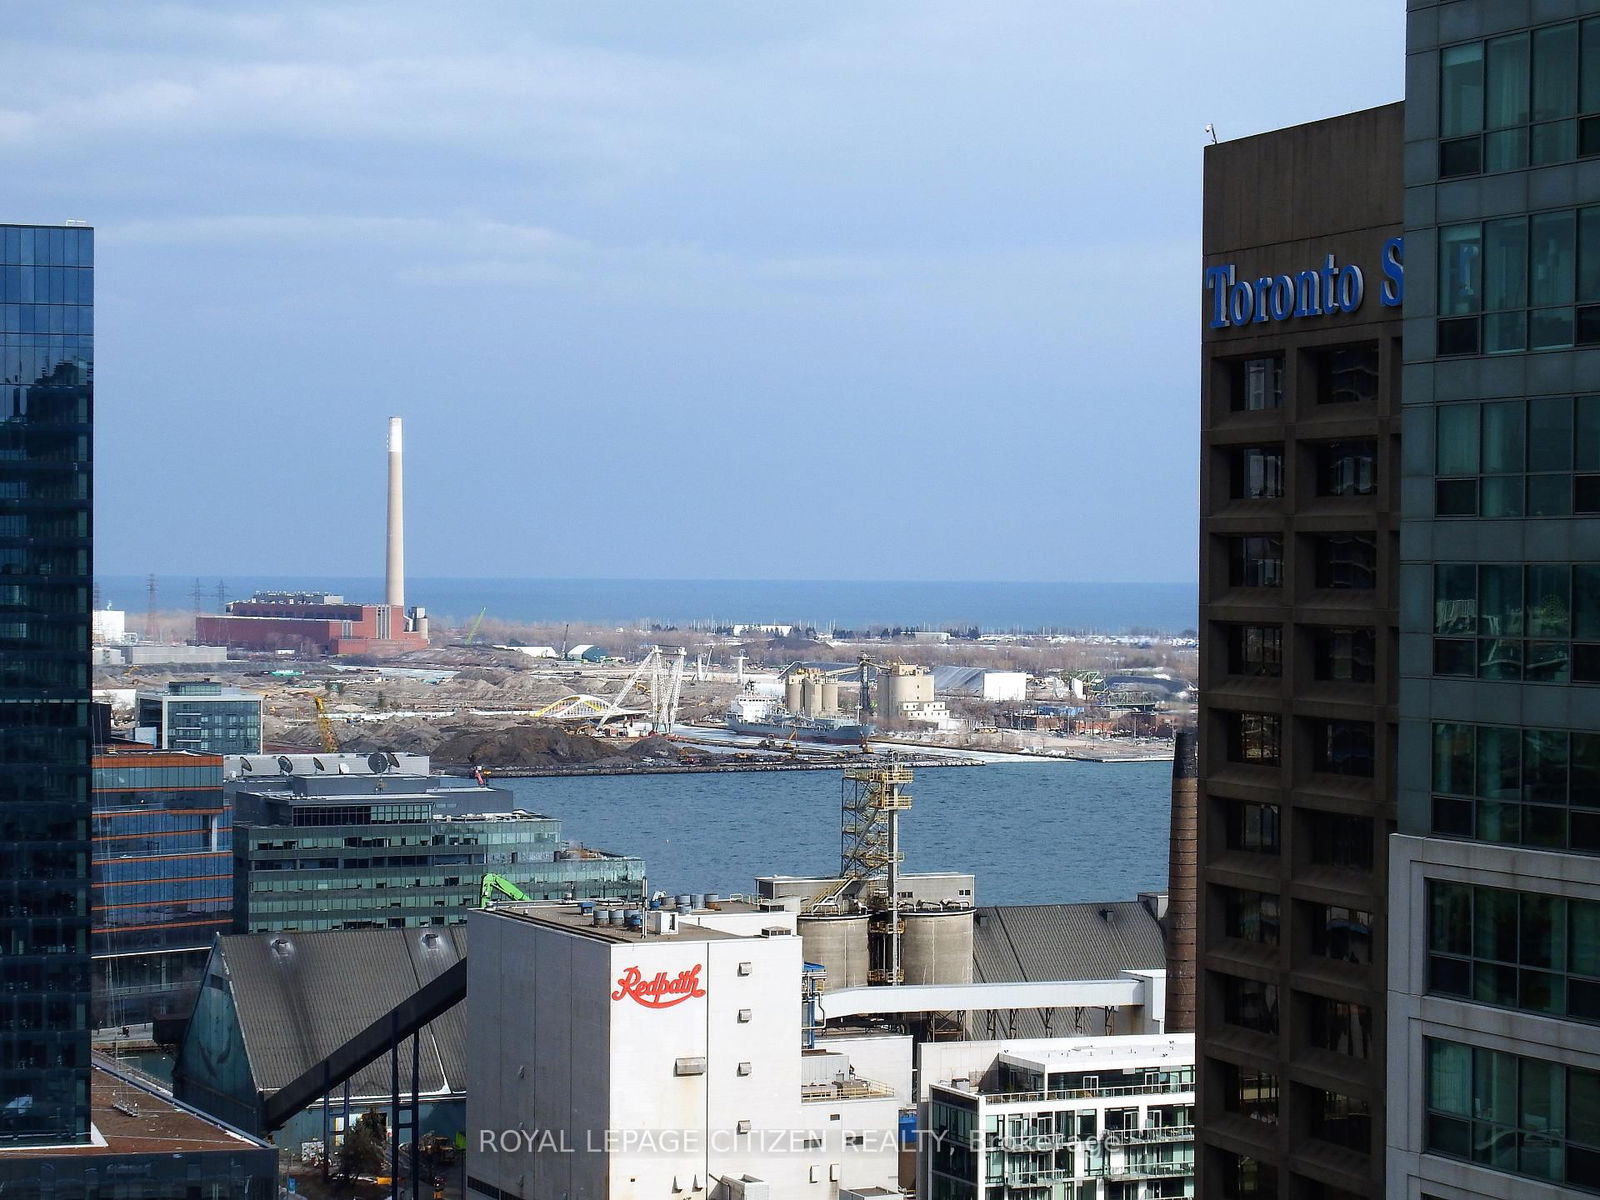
[[1067, 1053], [572, 919], [131, 1118]]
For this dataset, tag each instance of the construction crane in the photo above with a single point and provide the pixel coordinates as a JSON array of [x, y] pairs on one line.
[[473, 632], [493, 883], [330, 743], [665, 687]]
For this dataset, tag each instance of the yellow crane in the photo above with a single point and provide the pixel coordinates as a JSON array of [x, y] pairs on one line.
[[473, 632], [330, 743]]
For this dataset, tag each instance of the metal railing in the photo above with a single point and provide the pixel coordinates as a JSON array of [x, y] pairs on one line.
[[844, 1089], [1136, 1089]]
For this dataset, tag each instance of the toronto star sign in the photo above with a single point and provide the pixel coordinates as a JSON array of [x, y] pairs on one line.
[[1315, 292]]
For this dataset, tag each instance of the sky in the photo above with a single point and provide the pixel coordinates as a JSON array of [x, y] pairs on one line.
[[694, 290]]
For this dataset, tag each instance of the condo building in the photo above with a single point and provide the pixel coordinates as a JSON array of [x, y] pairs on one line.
[[46, 515], [1301, 288], [1494, 1007]]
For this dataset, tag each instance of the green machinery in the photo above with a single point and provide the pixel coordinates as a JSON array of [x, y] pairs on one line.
[[498, 883]]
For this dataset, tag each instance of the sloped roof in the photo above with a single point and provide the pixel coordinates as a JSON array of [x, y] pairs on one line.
[[300, 996], [1025, 943]]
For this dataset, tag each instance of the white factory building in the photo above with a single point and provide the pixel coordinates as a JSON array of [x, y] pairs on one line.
[[630, 1063]]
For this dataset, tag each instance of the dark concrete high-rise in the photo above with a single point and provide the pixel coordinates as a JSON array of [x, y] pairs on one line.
[[1494, 1007], [46, 493], [1301, 287]]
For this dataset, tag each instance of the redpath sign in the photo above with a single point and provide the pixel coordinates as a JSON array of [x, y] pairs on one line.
[[661, 990]]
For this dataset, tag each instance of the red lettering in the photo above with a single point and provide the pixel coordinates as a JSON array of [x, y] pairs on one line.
[[660, 990]]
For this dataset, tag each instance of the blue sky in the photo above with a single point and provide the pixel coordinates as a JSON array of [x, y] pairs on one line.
[[704, 290]]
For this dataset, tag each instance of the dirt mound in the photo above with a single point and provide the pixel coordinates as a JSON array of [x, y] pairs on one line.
[[522, 745]]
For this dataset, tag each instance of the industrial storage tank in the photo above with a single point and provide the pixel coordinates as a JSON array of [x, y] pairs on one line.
[[792, 692], [830, 698], [936, 946], [811, 692], [900, 684], [838, 944]]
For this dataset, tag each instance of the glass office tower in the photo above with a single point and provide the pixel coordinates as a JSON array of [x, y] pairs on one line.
[[46, 414], [1494, 1007]]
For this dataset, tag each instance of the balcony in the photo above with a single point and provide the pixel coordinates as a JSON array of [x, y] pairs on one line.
[[845, 1089]]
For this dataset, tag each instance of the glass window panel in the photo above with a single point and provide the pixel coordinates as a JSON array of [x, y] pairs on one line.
[[1506, 81], [1449, 1077], [1494, 1087], [1553, 143], [1505, 149], [1542, 936], [1548, 611], [1499, 762], [1457, 444], [1461, 89], [1502, 496], [1494, 924], [1544, 765], [1555, 72], [1583, 1106], [1552, 262], [1550, 434], [1453, 759], [1449, 917], [1500, 600], [1589, 254], [1505, 264], [1549, 495], [1583, 937], [1460, 264], [1503, 445], [1584, 770], [1455, 598], [1550, 328], [1589, 96], [1459, 498]]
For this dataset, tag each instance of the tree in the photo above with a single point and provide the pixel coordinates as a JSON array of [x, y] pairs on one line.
[[361, 1151]]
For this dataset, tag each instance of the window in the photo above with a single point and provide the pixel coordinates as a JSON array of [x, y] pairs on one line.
[[1339, 933], [1255, 472], [1347, 375], [1343, 747], [1538, 622], [1522, 950], [1245, 1178], [1338, 839], [1520, 787], [1346, 560], [1343, 655], [1253, 738], [1340, 1119], [1338, 1026], [1256, 384], [1249, 1004], [1249, 1092], [1510, 285], [1255, 560], [1347, 468], [1253, 827], [1255, 650], [1521, 100], [1516, 458], [1527, 1116], [1249, 916]]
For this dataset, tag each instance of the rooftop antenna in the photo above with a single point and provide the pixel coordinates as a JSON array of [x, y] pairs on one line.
[[1212, 130], [150, 607]]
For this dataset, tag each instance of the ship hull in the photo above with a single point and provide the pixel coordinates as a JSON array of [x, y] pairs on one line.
[[802, 731]]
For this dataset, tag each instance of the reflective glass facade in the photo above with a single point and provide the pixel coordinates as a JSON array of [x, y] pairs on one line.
[[346, 852], [163, 880], [46, 493], [203, 717]]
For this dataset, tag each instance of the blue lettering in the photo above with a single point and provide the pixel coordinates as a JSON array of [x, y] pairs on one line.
[[1262, 298], [1241, 302], [1330, 302], [1351, 288], [1281, 299], [1308, 295], [1392, 292], [1218, 280]]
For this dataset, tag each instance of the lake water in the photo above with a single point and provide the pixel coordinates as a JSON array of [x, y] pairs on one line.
[[1042, 833], [823, 603]]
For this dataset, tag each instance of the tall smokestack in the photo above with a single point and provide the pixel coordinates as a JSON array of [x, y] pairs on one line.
[[1182, 882], [395, 560]]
